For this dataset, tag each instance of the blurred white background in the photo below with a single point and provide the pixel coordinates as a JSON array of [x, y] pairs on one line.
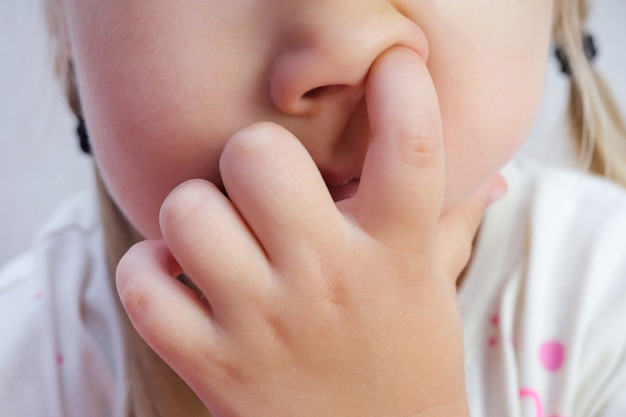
[[41, 164]]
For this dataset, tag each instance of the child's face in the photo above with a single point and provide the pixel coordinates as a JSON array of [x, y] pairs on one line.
[[165, 83]]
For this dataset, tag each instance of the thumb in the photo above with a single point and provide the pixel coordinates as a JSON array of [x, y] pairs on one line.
[[457, 228]]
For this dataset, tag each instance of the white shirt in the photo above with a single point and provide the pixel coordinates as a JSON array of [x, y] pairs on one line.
[[61, 351], [544, 301], [543, 307]]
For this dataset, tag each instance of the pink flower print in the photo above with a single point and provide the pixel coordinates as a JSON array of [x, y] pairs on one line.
[[534, 396], [552, 355], [493, 321]]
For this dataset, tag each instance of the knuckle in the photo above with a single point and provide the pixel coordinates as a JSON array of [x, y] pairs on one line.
[[225, 366], [278, 331], [135, 299], [423, 151], [138, 303], [423, 146]]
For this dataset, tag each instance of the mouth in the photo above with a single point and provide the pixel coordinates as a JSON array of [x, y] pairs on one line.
[[343, 191]]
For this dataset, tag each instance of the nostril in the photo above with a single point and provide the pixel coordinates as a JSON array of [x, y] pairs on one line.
[[323, 90]]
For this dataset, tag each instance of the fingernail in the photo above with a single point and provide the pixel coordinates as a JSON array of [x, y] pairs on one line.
[[498, 190]]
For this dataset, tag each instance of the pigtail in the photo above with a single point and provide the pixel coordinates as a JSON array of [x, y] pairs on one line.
[[63, 67], [155, 390], [594, 118]]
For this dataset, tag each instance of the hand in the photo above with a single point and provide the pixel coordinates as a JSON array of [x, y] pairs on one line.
[[315, 308]]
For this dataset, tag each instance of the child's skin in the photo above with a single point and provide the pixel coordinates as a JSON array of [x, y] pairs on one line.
[[317, 308]]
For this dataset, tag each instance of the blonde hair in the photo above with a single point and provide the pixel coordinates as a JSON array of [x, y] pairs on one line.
[[155, 390], [595, 120]]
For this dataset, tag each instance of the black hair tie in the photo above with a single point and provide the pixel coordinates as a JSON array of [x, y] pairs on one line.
[[81, 131], [591, 52]]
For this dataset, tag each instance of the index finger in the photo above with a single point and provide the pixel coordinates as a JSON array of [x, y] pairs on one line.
[[402, 185]]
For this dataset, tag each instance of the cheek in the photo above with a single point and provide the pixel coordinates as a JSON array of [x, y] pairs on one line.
[[140, 175], [149, 135], [146, 140], [145, 149], [489, 86], [158, 125], [485, 129]]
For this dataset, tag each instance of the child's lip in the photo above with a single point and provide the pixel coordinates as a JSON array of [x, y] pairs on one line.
[[342, 186], [344, 191]]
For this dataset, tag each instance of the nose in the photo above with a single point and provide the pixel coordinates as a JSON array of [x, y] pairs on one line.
[[329, 47]]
